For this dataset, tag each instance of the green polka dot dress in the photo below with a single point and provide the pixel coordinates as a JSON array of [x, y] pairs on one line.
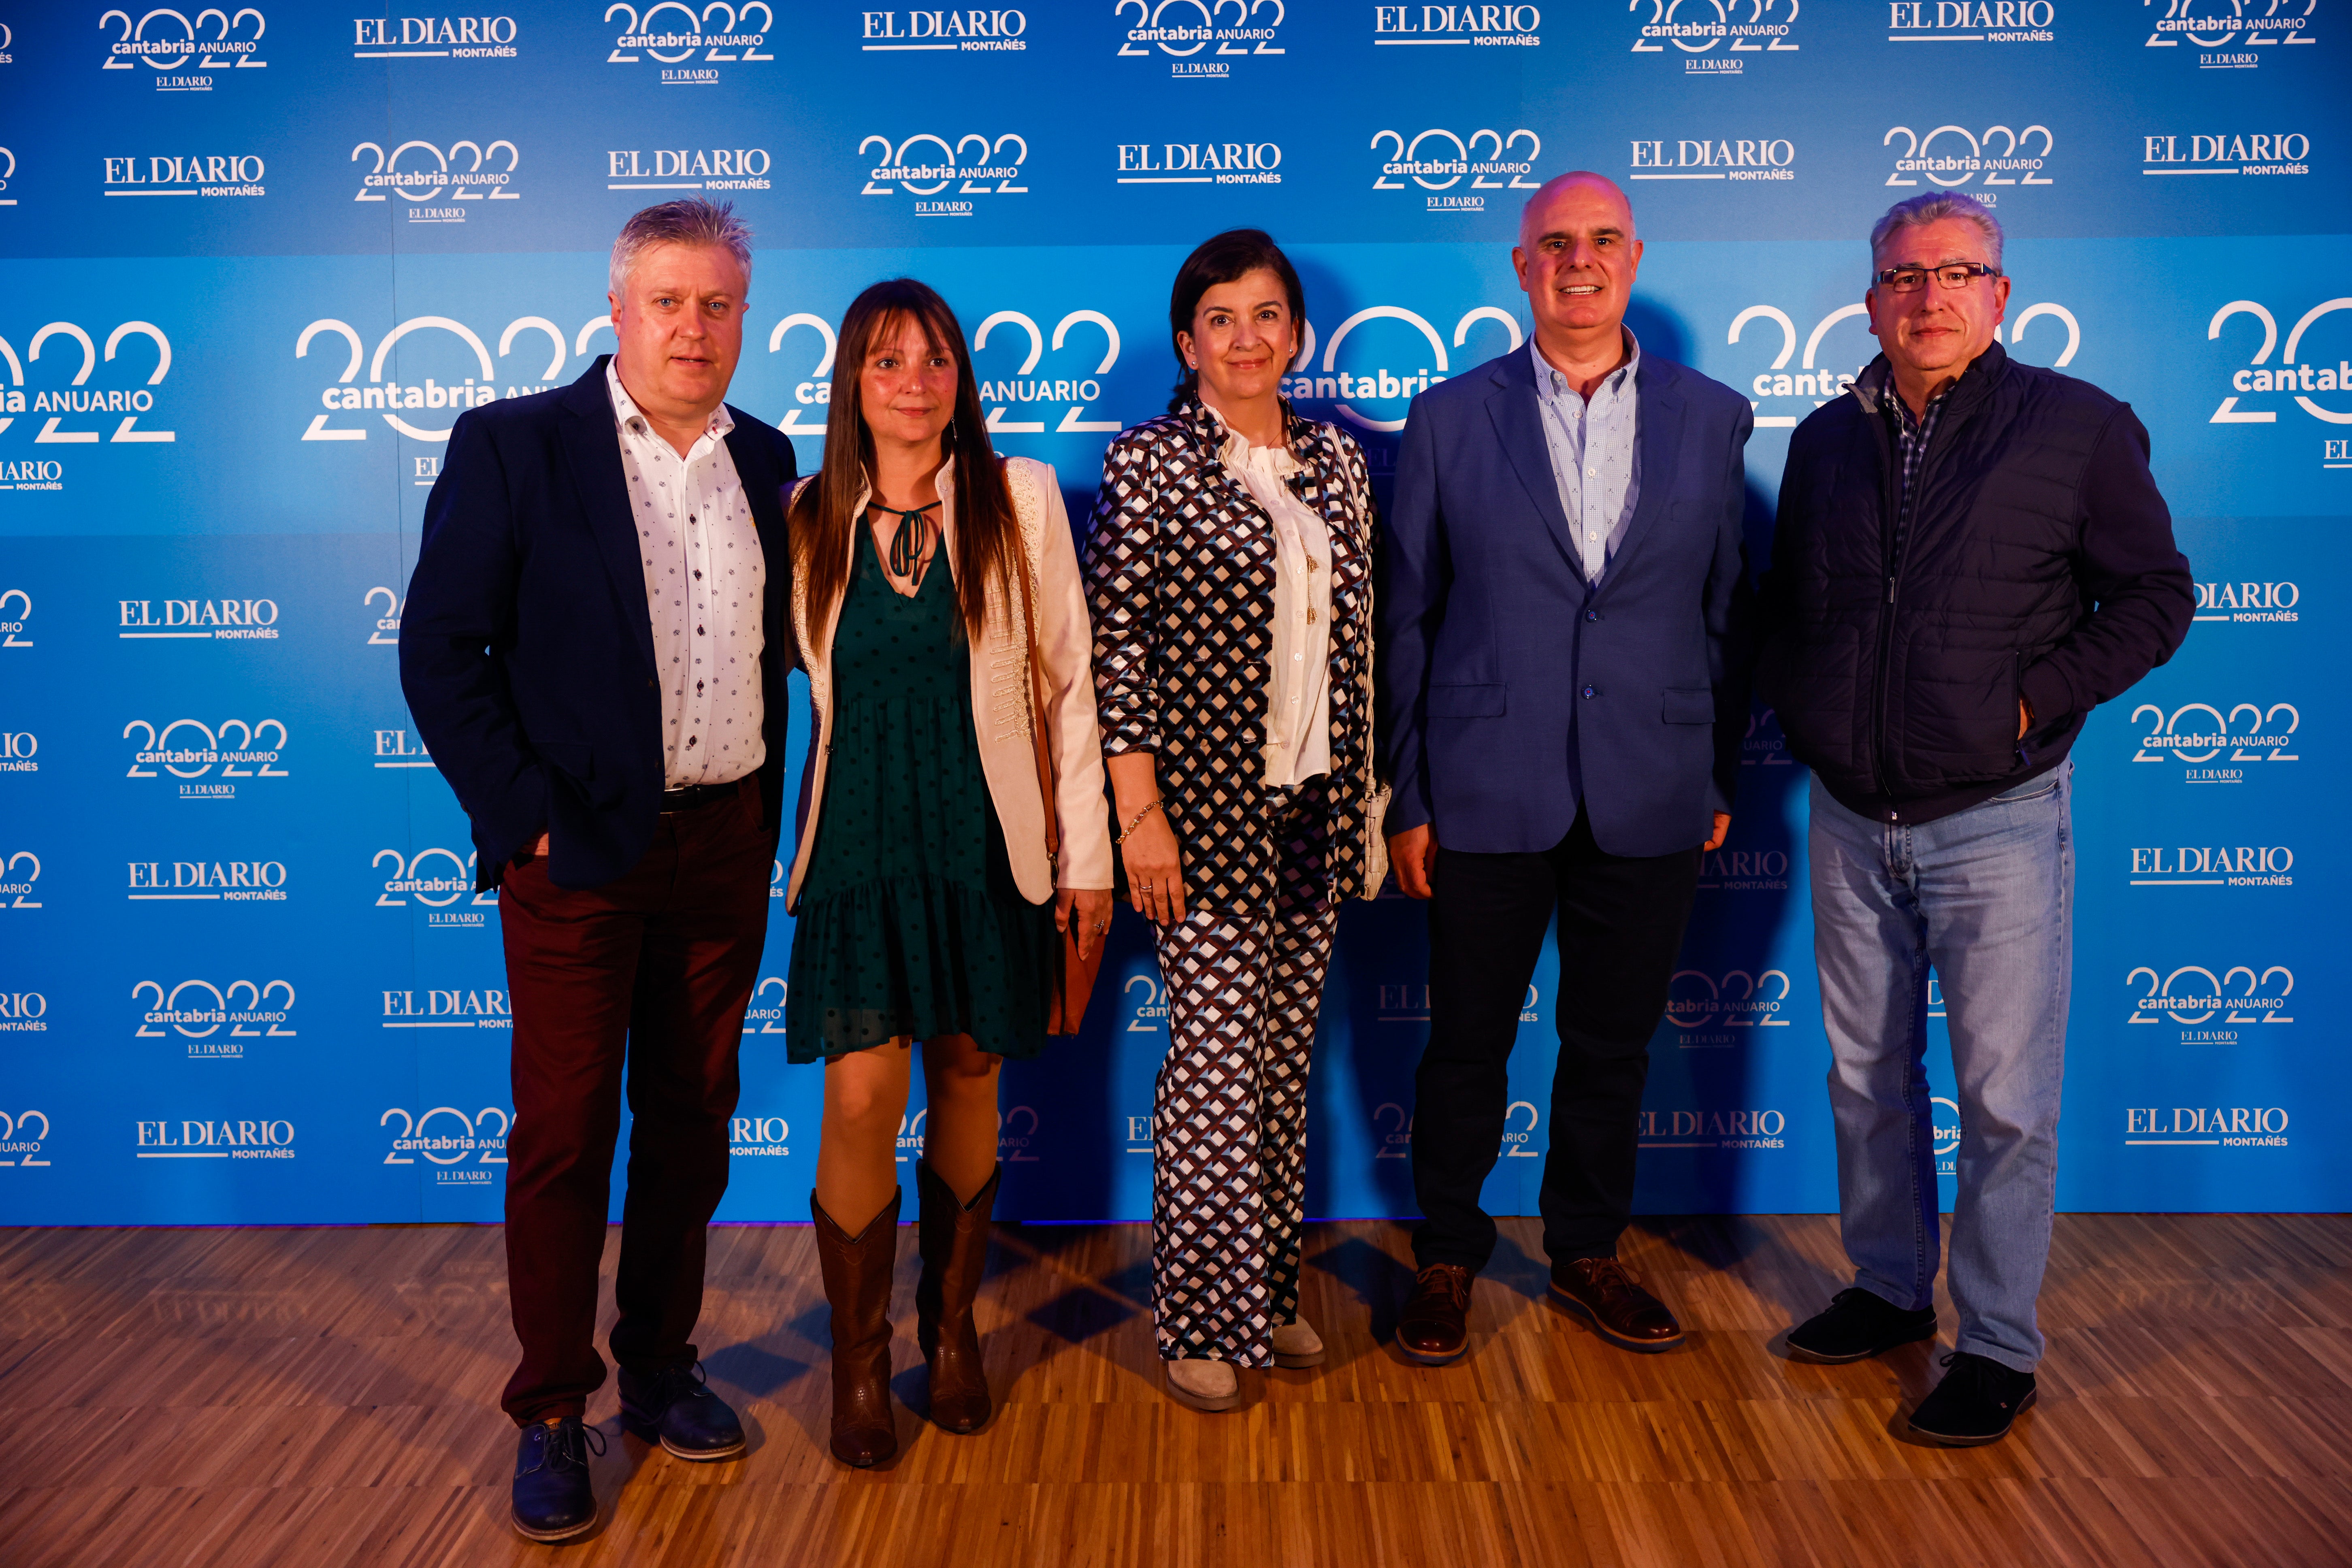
[[910, 923]]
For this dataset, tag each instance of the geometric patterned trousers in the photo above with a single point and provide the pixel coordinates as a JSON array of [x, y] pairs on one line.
[[1229, 1117]]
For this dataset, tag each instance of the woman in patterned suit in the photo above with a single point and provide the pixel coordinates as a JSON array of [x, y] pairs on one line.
[[1230, 576]]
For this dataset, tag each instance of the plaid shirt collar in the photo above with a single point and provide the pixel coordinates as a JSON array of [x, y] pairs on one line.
[[1911, 432]]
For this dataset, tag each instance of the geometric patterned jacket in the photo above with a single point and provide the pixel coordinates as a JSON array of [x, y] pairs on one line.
[[1179, 579]]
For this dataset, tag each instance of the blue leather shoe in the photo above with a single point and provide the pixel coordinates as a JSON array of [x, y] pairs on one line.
[[677, 1410], [553, 1500]]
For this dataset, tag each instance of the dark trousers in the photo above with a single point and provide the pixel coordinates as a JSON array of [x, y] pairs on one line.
[[1621, 927], [644, 978]]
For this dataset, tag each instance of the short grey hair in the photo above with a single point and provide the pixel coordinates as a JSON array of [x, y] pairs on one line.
[[1934, 207], [690, 222]]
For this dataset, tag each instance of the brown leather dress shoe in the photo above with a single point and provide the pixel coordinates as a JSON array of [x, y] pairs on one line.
[[1620, 1311], [1435, 1327]]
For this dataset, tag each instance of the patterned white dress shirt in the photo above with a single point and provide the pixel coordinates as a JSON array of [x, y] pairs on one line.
[[1596, 459], [1298, 676], [704, 579]]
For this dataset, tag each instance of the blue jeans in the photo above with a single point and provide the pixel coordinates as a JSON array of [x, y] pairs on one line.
[[1985, 898]]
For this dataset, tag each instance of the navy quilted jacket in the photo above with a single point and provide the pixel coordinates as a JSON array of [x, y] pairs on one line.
[[2039, 565]]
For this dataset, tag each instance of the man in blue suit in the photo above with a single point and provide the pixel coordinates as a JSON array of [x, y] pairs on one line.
[[1562, 624], [594, 649]]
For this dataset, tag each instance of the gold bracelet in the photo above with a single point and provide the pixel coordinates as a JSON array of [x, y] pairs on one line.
[[1149, 807]]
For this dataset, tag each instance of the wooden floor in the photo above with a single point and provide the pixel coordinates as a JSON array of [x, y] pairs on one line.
[[246, 1398]]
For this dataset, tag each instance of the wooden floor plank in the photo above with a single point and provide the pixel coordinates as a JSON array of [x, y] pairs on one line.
[[248, 1398]]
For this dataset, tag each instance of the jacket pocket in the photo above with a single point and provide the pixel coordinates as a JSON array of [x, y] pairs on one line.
[[1468, 701], [1958, 716], [1688, 705]]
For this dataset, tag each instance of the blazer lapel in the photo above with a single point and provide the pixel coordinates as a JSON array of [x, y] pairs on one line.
[[592, 448], [1518, 426], [1659, 439]]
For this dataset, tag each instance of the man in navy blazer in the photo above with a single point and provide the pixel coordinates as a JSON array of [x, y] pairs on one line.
[[594, 649], [1562, 627]]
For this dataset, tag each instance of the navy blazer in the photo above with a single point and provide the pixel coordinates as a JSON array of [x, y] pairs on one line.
[[1503, 671], [526, 648]]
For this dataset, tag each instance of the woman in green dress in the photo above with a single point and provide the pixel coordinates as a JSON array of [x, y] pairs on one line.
[[928, 906]]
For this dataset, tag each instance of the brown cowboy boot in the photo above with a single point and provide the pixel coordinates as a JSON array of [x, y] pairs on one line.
[[954, 1242], [856, 1271]]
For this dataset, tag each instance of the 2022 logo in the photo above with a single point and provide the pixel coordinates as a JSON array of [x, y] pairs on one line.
[[2277, 22], [78, 396], [385, 633], [18, 1146], [1441, 171], [390, 396], [480, 179], [971, 158], [1150, 1015], [198, 1010], [2015, 165], [18, 872], [435, 878], [1343, 390], [670, 32], [1182, 37], [189, 748], [457, 1140], [13, 626], [2289, 377], [224, 50], [2192, 995], [2201, 732], [1016, 1134], [1696, 34], [764, 1016], [1736, 999], [998, 394]]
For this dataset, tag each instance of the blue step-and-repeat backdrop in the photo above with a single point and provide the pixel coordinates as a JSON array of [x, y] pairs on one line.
[[254, 261]]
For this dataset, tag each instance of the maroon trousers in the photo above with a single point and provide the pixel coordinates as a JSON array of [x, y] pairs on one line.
[[645, 977]]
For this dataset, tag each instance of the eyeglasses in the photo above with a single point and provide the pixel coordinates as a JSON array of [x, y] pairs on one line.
[[1956, 275]]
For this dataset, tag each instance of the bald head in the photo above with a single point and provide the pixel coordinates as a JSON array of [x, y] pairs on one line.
[[1577, 192], [1577, 258]]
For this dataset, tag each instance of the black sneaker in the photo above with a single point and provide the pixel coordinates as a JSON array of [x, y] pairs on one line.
[[1975, 1404], [675, 1409], [1859, 1323], [553, 1498]]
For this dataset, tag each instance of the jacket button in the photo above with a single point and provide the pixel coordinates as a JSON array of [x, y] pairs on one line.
[[655, 684], [1591, 614], [1592, 692]]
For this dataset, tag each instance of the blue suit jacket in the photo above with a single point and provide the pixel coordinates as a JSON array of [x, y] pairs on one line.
[[526, 648], [1503, 672]]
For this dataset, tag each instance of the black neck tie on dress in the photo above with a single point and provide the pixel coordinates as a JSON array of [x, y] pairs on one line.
[[913, 538]]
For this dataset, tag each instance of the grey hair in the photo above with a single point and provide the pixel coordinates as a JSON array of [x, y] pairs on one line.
[[690, 222], [1934, 207]]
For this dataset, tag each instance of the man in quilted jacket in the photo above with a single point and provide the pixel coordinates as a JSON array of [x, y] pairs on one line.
[[1970, 555]]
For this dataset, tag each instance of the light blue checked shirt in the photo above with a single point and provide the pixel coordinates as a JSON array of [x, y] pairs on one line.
[[1595, 460]]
